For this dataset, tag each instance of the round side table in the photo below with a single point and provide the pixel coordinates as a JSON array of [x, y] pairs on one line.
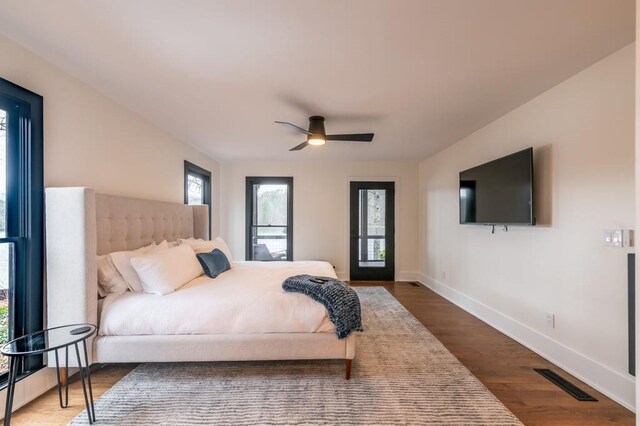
[[52, 340]]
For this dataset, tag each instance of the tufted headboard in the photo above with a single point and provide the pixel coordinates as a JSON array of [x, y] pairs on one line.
[[81, 224], [129, 223]]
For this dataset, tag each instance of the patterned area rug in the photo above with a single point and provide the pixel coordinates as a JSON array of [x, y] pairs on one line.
[[402, 374]]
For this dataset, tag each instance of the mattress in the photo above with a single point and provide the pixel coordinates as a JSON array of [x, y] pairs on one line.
[[246, 299]]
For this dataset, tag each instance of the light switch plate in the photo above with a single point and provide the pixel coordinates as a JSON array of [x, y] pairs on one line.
[[613, 237], [618, 238], [608, 239]]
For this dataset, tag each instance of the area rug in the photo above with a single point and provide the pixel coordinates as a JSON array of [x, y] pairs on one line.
[[402, 374]]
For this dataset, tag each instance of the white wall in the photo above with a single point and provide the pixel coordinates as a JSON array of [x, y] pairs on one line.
[[582, 132], [92, 141], [321, 210], [637, 218]]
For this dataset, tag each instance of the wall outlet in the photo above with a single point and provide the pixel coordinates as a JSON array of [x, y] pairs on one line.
[[551, 320], [444, 275]]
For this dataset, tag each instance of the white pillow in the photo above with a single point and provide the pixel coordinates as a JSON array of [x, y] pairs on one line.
[[201, 246], [122, 261], [224, 248], [166, 271], [109, 279]]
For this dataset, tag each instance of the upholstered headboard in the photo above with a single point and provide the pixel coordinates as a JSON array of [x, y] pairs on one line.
[[129, 223], [81, 224]]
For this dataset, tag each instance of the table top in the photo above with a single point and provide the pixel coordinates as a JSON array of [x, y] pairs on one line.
[[48, 340]]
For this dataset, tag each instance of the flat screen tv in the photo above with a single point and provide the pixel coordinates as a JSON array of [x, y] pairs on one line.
[[499, 192]]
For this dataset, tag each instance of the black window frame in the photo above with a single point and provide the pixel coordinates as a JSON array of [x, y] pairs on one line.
[[249, 210], [205, 175], [25, 224]]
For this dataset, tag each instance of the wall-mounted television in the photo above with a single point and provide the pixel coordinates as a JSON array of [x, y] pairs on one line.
[[499, 192]]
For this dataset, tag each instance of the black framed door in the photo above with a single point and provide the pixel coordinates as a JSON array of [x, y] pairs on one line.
[[372, 231]]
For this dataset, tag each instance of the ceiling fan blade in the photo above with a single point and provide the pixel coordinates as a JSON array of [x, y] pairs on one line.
[[299, 147], [355, 137], [293, 126]]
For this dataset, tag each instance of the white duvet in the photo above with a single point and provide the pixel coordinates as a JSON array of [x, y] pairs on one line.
[[246, 299]]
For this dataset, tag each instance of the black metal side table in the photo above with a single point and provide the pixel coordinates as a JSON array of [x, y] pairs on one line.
[[52, 339]]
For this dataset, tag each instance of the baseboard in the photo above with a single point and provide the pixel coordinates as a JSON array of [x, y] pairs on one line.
[[400, 276], [619, 387], [407, 276], [30, 388]]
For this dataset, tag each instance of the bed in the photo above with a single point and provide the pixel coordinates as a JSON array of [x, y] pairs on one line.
[[243, 315]]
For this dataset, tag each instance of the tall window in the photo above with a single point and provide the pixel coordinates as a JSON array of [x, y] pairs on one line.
[[269, 218], [197, 187], [21, 217]]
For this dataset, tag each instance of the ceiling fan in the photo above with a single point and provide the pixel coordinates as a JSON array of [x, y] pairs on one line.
[[316, 134]]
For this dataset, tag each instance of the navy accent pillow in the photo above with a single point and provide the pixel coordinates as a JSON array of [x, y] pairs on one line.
[[213, 263]]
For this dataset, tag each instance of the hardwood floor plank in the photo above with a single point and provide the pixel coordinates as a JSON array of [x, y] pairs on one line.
[[503, 365], [45, 410]]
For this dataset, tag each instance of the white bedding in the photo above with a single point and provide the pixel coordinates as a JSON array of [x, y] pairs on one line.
[[246, 299]]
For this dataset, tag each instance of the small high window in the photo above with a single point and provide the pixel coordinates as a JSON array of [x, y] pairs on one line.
[[197, 187]]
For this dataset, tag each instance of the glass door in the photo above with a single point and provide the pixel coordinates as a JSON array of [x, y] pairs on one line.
[[372, 255]]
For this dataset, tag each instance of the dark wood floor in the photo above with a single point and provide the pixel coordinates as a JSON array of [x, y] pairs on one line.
[[503, 365]]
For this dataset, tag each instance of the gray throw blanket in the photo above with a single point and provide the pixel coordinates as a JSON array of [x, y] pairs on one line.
[[341, 301]]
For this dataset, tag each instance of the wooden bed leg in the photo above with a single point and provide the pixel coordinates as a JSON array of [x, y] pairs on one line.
[[347, 368], [63, 376]]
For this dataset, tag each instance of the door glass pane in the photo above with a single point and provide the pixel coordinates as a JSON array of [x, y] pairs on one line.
[[371, 247], [195, 190], [269, 230], [5, 249]]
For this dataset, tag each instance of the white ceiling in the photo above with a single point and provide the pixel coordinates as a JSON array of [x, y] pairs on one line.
[[420, 74]]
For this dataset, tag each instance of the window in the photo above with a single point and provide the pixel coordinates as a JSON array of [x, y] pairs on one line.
[[21, 218], [197, 187], [269, 218], [371, 250]]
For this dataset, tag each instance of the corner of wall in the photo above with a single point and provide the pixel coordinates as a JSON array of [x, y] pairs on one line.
[[616, 386]]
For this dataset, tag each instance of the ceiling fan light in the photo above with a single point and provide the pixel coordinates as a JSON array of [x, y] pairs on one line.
[[316, 140]]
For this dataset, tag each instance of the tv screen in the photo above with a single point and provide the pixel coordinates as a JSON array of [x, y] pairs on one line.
[[499, 192]]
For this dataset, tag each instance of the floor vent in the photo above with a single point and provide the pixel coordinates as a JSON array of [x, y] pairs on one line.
[[565, 385], [415, 284]]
